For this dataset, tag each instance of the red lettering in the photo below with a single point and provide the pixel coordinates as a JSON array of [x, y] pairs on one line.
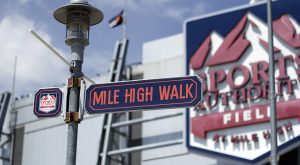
[[99, 99], [140, 94], [174, 93], [149, 94], [282, 60], [129, 95], [216, 138], [239, 96], [288, 126], [210, 98], [259, 71], [188, 92], [254, 93], [280, 130], [181, 96], [297, 61], [254, 137], [215, 78], [231, 76], [164, 92], [267, 134], [109, 100], [116, 96]]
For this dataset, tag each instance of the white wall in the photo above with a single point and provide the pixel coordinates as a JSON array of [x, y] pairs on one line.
[[161, 59]]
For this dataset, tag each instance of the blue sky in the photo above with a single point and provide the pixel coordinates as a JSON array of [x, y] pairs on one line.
[[37, 67]]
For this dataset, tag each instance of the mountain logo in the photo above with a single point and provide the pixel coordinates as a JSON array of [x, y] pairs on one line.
[[235, 43], [47, 103]]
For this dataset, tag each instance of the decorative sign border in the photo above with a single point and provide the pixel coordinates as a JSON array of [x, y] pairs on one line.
[[143, 94]]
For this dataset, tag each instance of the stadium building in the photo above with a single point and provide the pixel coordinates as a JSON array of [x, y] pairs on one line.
[[229, 127]]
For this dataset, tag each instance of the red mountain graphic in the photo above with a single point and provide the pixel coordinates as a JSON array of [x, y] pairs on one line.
[[235, 43], [231, 49], [284, 28]]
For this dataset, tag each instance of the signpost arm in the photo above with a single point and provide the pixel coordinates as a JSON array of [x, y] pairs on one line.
[[272, 88], [57, 54]]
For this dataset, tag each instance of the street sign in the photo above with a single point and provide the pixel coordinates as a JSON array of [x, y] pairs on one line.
[[48, 102], [144, 94]]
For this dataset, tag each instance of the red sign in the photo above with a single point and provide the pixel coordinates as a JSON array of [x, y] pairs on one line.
[[244, 117]]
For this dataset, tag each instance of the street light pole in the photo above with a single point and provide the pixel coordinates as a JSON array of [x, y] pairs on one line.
[[272, 94], [78, 16]]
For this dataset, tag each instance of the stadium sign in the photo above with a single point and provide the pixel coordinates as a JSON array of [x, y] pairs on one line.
[[231, 57]]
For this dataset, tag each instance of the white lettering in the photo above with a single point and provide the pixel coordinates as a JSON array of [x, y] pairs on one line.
[[258, 114], [247, 115], [237, 118], [226, 118]]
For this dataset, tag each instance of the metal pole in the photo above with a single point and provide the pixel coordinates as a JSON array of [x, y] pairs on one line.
[[272, 88], [125, 21], [14, 115], [77, 48]]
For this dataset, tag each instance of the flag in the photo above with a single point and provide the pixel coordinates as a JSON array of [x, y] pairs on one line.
[[116, 20]]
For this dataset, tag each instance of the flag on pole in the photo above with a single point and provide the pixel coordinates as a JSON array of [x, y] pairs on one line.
[[116, 20]]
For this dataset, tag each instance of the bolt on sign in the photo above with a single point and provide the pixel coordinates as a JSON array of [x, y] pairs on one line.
[[143, 94], [231, 57], [48, 102]]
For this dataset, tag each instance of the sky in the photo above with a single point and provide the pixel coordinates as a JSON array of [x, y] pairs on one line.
[[38, 68]]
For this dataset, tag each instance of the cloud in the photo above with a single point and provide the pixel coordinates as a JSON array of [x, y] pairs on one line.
[[168, 8], [36, 65], [135, 5], [156, 2], [131, 4], [200, 8], [178, 13], [96, 62], [26, 2]]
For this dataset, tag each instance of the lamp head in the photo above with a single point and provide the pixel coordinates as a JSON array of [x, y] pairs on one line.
[[78, 16]]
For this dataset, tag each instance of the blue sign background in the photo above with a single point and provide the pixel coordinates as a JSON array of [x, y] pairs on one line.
[[44, 92], [197, 30], [155, 103]]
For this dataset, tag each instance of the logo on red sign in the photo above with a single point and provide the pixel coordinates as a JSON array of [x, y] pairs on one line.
[[47, 103]]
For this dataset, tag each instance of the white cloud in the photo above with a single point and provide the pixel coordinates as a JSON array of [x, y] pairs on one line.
[[26, 2], [176, 13], [97, 62], [131, 4], [166, 7], [137, 5], [156, 2], [200, 8], [36, 66]]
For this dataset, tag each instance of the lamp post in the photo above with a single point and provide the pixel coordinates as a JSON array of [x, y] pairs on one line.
[[78, 16]]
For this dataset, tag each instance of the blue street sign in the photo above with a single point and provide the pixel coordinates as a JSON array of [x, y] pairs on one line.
[[48, 102], [144, 94]]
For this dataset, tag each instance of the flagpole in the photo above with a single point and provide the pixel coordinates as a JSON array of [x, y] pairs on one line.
[[125, 21], [14, 115]]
